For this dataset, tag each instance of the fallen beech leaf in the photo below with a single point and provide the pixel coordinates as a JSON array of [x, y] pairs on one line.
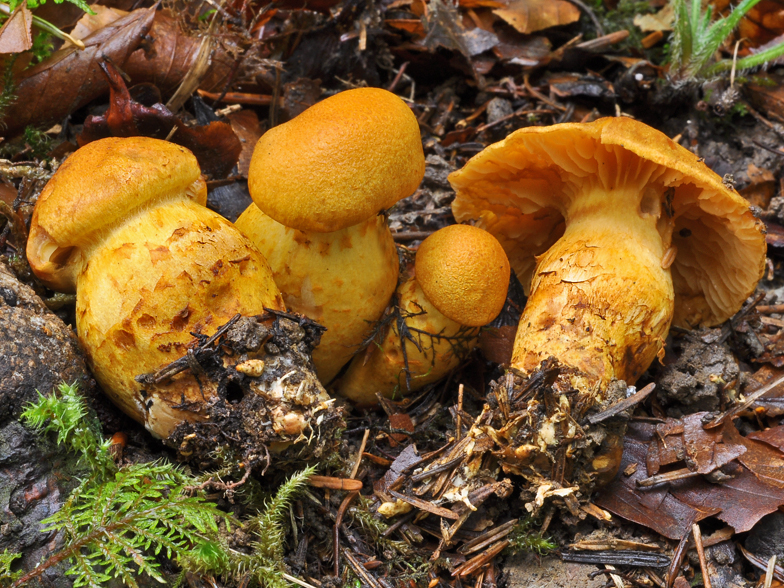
[[15, 35], [215, 146], [773, 436], [750, 484], [528, 16], [168, 55], [660, 21], [91, 23], [654, 508], [445, 29], [69, 78]]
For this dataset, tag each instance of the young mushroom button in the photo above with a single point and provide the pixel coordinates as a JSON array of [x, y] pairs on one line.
[[122, 223], [319, 183], [459, 283], [617, 232]]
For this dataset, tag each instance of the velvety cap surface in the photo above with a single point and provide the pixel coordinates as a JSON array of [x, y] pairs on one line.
[[464, 273], [97, 186], [105, 180], [520, 189], [338, 163]]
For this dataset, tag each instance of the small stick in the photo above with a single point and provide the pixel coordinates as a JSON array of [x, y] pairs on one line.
[[695, 529], [677, 560], [333, 483], [769, 571], [771, 308], [336, 532], [668, 477], [296, 580], [459, 423], [355, 469]]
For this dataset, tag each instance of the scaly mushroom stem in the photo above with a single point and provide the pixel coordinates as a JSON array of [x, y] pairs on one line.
[[316, 271], [161, 274], [420, 339], [601, 302]]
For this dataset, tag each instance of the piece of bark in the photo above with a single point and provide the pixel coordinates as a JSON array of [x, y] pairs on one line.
[[37, 352]]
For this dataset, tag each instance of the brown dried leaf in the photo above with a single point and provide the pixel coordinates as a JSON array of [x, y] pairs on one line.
[[91, 23], [445, 29], [246, 126], [750, 484], [169, 55], [528, 16], [15, 35], [69, 78], [215, 146], [654, 508], [773, 436]]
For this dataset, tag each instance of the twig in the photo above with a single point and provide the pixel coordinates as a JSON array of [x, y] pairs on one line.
[[769, 571], [297, 580], [587, 10], [677, 560], [359, 570], [459, 420], [336, 532], [355, 469], [622, 405], [741, 407], [695, 529], [333, 483]]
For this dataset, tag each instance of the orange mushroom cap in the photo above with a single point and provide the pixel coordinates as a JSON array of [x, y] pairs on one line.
[[338, 163], [464, 273], [99, 185]]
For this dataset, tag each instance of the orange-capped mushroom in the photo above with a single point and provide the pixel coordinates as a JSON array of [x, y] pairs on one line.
[[123, 223], [319, 184], [458, 284]]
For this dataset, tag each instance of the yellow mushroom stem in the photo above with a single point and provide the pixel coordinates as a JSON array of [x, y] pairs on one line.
[[159, 275], [341, 279], [601, 300], [437, 344]]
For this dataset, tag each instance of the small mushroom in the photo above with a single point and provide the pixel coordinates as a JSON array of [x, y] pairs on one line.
[[458, 284], [123, 224], [319, 183], [617, 232]]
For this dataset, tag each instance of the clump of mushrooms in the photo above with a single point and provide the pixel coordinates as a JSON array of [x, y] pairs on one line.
[[319, 184], [123, 224], [458, 284], [617, 232]]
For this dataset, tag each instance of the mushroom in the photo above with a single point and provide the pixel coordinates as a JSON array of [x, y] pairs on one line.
[[123, 224], [458, 284], [319, 183], [617, 232]]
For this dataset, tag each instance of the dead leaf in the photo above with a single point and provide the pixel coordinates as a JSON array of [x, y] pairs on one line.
[[773, 436], [69, 78], [748, 477], [91, 23], [762, 186], [215, 146], [528, 16], [246, 126], [445, 29], [168, 55], [660, 21], [15, 35]]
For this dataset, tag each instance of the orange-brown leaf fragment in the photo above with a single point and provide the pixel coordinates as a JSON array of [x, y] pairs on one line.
[[528, 16], [15, 35]]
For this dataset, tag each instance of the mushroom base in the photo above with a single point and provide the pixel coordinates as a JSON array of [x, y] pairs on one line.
[[263, 410], [420, 346]]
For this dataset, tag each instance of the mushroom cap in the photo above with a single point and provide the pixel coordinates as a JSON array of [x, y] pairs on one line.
[[464, 272], [99, 185], [521, 188], [338, 163]]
